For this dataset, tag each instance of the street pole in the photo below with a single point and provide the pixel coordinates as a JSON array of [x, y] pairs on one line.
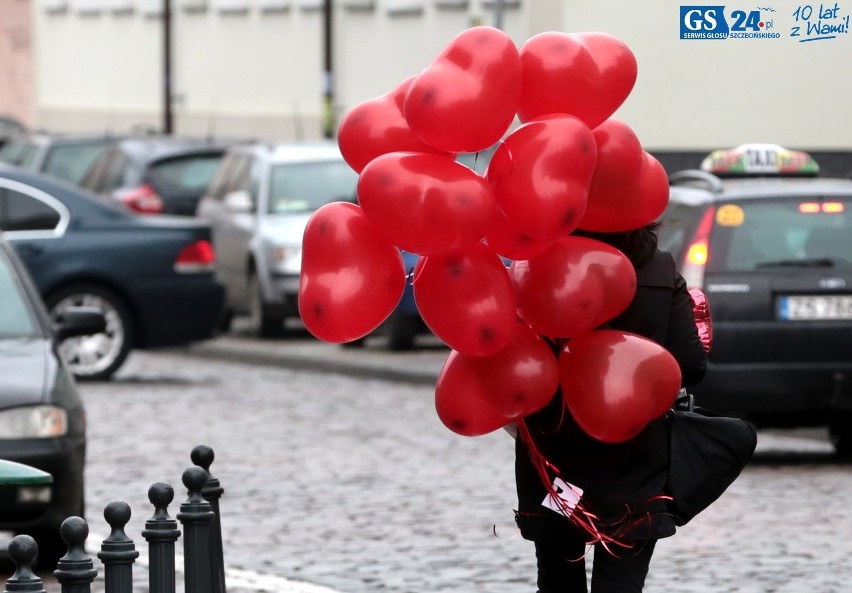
[[498, 14], [167, 67], [328, 122]]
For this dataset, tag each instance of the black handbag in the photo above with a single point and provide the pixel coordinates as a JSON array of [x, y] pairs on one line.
[[708, 452]]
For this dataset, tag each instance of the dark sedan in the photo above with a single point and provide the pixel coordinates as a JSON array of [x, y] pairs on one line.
[[42, 422], [156, 174], [151, 276]]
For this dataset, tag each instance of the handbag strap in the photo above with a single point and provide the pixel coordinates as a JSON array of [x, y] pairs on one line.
[[684, 401]]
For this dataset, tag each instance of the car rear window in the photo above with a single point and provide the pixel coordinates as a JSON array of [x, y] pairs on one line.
[[304, 187], [780, 233], [72, 161], [184, 175]]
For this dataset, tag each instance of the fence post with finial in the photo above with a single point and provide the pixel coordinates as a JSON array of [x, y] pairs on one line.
[[196, 516], [203, 456], [161, 532], [23, 551], [75, 571], [118, 551]]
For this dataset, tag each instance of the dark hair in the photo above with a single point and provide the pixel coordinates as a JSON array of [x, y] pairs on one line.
[[637, 244]]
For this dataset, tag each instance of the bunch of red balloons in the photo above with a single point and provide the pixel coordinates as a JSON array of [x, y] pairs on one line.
[[569, 165]]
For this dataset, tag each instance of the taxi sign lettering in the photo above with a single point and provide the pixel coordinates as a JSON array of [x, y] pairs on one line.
[[730, 215]]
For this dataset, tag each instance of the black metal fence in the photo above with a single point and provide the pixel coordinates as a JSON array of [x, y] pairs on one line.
[[198, 516]]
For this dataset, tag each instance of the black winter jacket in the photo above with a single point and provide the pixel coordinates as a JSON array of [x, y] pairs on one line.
[[620, 481]]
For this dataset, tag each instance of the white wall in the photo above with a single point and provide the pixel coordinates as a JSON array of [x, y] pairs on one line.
[[708, 94], [259, 73]]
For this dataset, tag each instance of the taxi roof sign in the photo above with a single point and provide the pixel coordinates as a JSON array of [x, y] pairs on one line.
[[760, 159]]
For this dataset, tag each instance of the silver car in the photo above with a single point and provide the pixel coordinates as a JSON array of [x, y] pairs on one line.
[[258, 204]]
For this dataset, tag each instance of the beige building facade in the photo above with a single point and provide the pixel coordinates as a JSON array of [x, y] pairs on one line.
[[17, 83], [255, 68]]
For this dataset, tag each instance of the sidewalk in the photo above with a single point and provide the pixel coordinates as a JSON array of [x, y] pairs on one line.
[[299, 350]]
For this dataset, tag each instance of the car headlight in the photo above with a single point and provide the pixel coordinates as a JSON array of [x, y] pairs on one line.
[[33, 422], [287, 258]]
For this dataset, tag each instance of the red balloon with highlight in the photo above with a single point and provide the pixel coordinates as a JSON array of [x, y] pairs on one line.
[[461, 400], [615, 382], [629, 187], [587, 75], [376, 127], [574, 286], [466, 98], [351, 279], [521, 378], [541, 175], [425, 203], [466, 299]]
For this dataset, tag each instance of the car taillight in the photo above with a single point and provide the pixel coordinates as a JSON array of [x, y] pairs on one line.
[[142, 199], [195, 257], [698, 252]]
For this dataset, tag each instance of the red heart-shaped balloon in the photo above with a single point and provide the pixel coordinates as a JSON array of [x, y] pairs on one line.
[[376, 127], [425, 203], [575, 285], [541, 175], [587, 75], [466, 98], [351, 277], [629, 188], [614, 382]]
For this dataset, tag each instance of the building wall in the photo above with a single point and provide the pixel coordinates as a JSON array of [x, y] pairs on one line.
[[16, 46], [254, 68]]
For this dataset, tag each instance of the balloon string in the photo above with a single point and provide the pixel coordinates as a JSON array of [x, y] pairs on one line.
[[579, 516]]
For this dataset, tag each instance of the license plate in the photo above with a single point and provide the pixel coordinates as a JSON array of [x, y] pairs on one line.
[[815, 307]]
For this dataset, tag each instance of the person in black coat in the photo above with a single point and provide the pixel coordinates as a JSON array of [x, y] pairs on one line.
[[623, 483]]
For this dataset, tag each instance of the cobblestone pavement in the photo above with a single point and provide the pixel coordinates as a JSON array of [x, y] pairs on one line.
[[336, 483]]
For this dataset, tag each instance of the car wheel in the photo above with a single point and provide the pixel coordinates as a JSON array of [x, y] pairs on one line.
[[98, 356], [263, 322], [401, 331], [841, 437]]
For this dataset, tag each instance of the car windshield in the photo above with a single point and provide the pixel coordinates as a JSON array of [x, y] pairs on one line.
[[72, 161], [304, 187], [184, 175], [782, 233], [16, 317]]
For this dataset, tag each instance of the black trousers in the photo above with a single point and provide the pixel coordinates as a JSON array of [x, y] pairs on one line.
[[562, 568]]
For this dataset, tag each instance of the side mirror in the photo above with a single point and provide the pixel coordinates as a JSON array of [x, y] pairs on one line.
[[239, 201], [79, 321]]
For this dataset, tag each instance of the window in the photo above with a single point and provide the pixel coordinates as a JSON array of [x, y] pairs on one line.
[[678, 224], [71, 162], [21, 212], [16, 317], [304, 187], [781, 233], [20, 154], [180, 176]]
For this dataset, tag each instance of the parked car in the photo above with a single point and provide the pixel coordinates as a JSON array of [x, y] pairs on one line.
[[258, 205], [770, 244], [155, 174], [66, 156], [9, 126], [152, 277], [42, 421]]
